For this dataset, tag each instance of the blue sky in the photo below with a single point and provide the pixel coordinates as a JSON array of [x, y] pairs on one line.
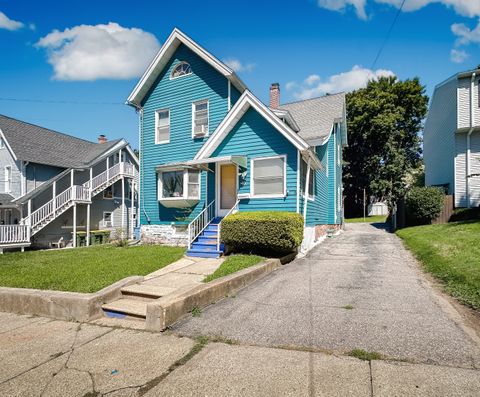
[[310, 47]]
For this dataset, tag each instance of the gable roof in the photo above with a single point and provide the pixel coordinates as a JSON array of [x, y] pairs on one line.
[[30, 142], [245, 102], [6, 201], [176, 38], [316, 117]]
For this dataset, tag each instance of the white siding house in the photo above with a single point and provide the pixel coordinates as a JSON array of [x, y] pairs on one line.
[[452, 138]]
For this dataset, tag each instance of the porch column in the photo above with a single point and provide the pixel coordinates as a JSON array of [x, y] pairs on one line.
[[74, 225], [29, 211], [132, 207], [90, 187], [123, 206], [108, 166], [88, 225], [305, 200], [54, 194]]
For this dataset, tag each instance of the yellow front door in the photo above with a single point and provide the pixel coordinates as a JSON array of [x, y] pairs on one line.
[[228, 188]]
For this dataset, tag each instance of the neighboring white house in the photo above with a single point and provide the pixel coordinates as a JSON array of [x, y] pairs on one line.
[[451, 139], [53, 186]]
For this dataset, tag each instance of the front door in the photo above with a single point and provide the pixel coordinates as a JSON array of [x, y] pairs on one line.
[[227, 188]]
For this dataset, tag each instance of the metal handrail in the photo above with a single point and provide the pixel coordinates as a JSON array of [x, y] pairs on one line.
[[199, 224], [232, 210]]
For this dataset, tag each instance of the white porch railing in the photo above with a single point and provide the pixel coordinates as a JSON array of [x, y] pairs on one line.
[[115, 171], [14, 234], [232, 210], [199, 224], [81, 193]]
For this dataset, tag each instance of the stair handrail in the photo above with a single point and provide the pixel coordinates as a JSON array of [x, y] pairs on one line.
[[107, 175], [200, 222], [232, 210]]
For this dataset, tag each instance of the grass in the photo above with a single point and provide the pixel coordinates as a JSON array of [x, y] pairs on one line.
[[364, 355], [451, 253], [196, 312], [369, 219], [82, 269], [233, 264], [348, 307]]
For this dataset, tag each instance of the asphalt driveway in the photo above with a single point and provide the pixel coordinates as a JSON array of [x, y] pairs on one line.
[[361, 289]]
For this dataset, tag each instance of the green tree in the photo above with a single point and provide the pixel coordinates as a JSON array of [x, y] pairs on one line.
[[384, 122]]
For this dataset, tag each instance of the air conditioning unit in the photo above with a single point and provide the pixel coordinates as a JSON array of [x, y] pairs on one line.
[[201, 130], [107, 224]]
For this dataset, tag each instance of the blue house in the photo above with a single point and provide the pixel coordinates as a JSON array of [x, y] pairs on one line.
[[209, 147]]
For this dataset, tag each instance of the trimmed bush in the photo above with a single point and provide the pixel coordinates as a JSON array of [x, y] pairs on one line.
[[424, 204], [268, 233]]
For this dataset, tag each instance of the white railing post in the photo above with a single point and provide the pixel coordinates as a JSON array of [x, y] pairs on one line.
[[90, 187], [54, 194], [108, 168]]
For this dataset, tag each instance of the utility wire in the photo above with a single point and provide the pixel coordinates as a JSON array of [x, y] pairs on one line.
[[59, 102], [388, 34]]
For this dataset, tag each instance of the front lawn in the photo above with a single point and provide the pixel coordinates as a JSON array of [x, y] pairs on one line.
[[233, 264], [451, 252], [82, 269], [369, 219]]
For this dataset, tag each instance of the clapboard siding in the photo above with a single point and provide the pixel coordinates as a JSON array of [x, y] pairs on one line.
[[7, 160], [317, 210], [177, 95], [439, 136], [475, 169], [463, 103], [460, 170], [254, 137], [332, 179]]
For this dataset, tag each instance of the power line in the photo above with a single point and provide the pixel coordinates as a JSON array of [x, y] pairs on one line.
[[59, 102], [388, 35]]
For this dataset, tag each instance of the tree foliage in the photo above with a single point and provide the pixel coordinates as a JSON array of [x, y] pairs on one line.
[[384, 146]]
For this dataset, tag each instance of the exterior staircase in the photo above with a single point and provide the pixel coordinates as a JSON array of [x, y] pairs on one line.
[[207, 245]]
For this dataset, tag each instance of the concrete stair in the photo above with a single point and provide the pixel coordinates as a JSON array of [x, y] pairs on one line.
[[205, 246]]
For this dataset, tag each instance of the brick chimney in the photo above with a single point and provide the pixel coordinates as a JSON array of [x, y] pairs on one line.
[[275, 95], [102, 138]]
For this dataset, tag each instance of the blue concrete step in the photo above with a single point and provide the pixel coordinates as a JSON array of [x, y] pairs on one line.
[[204, 254], [210, 233], [205, 246], [207, 240]]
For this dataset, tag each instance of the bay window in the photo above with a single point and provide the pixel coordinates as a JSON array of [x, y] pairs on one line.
[[268, 177], [179, 184]]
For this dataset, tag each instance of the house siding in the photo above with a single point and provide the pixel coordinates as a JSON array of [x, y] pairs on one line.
[[439, 136], [332, 178], [255, 137], [461, 170], [177, 95], [38, 174], [7, 160]]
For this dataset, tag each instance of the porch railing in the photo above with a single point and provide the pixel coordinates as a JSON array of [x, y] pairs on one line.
[[232, 210], [103, 178], [199, 224], [14, 234]]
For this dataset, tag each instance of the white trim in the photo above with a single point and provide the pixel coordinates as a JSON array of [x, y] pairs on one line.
[[8, 179], [229, 91], [200, 101], [185, 185], [169, 47], [183, 75], [252, 177], [157, 142], [299, 158], [218, 185], [246, 101], [311, 197], [111, 219], [334, 177]]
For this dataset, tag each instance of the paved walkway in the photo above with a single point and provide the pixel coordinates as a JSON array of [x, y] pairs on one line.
[[45, 357], [361, 289]]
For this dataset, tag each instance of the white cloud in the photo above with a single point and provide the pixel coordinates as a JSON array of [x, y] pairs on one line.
[[342, 5], [238, 66], [88, 52], [291, 85], [312, 79], [458, 56], [354, 79], [9, 24], [467, 8], [465, 35]]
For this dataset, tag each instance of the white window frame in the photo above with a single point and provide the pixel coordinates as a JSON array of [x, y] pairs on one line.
[[183, 75], [104, 223], [311, 197], [185, 185], [8, 179], [252, 177], [157, 119], [197, 135]]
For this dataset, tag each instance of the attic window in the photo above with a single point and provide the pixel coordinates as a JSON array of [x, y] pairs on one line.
[[182, 69]]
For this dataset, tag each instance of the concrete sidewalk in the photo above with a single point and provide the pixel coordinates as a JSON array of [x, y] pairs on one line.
[[44, 357]]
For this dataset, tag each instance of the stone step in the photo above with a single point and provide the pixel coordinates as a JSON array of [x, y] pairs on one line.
[[128, 307], [145, 291]]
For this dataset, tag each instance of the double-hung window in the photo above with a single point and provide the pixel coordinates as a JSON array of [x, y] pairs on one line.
[[200, 118], [107, 219], [179, 184], [8, 179], [162, 126], [268, 177], [303, 179]]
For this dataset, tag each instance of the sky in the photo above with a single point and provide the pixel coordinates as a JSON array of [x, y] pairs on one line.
[[70, 65]]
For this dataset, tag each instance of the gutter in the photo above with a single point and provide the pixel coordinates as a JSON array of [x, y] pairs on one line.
[[470, 131]]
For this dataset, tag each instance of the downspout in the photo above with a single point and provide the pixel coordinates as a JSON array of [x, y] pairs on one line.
[[141, 200], [305, 199], [472, 123]]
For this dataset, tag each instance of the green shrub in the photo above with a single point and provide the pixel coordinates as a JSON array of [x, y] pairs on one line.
[[424, 204], [267, 233], [465, 214]]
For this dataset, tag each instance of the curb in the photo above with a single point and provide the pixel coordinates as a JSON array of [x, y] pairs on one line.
[[167, 310], [62, 305]]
